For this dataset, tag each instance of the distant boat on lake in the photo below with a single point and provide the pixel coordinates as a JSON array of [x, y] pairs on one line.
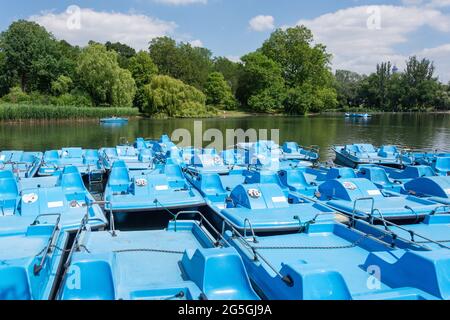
[[114, 120], [358, 115]]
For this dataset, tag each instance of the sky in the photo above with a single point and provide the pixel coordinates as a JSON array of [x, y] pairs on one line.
[[358, 33]]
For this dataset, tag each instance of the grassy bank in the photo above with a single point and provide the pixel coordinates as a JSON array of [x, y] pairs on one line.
[[42, 112]]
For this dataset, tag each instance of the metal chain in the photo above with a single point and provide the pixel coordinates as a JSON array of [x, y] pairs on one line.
[[149, 250], [350, 246]]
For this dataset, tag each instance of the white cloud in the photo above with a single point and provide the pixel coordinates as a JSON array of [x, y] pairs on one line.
[[262, 23], [427, 3], [196, 43], [440, 57], [361, 37], [135, 30], [236, 59], [181, 2]]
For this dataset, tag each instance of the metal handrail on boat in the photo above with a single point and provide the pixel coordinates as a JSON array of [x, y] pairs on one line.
[[203, 219], [444, 206], [247, 221], [38, 267], [359, 200]]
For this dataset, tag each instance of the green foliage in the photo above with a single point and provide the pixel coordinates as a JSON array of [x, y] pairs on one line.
[[143, 69], [44, 112], [218, 92], [100, 75], [166, 96], [182, 61], [61, 85], [230, 70], [347, 85], [31, 55], [124, 53]]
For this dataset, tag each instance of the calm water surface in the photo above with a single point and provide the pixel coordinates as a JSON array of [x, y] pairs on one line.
[[423, 131]]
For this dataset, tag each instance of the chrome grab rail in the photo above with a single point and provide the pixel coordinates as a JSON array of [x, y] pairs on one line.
[[247, 221], [359, 200], [37, 268], [444, 206]]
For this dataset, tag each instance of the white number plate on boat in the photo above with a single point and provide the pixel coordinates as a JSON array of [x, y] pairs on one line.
[[56, 204], [374, 192], [162, 188], [279, 199]]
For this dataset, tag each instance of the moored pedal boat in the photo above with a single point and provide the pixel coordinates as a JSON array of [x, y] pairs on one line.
[[23, 164], [30, 261], [357, 154], [87, 161], [136, 159], [179, 263], [114, 120], [24, 200], [159, 189]]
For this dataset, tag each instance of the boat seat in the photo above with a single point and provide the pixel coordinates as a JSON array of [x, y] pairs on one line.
[[340, 173], [91, 156], [71, 181], [119, 178], [212, 187], [377, 176], [295, 180], [51, 155], [431, 186], [14, 284], [442, 165], [173, 172], [262, 177], [9, 192], [366, 148], [388, 151], [219, 273], [290, 147]]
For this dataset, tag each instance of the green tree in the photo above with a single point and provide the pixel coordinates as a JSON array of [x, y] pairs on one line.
[[218, 92], [100, 75], [230, 70], [31, 55], [143, 70], [300, 60], [420, 83], [374, 88], [347, 88], [166, 96], [261, 79], [62, 85], [125, 52], [182, 61]]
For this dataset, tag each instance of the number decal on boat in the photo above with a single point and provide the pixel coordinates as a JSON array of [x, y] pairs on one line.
[[349, 185], [30, 198], [374, 192], [254, 193], [141, 182]]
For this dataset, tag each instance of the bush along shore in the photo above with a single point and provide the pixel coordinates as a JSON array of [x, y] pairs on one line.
[[11, 112]]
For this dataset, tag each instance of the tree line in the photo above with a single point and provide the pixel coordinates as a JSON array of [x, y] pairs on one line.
[[289, 73]]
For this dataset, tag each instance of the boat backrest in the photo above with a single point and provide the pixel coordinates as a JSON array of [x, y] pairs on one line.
[[173, 172], [51, 155], [376, 175], [352, 149], [91, 155], [259, 196], [294, 179], [72, 153], [443, 163], [210, 151], [140, 143], [211, 186], [432, 186], [340, 173], [290, 147], [119, 175], [145, 155], [71, 181], [386, 151], [262, 177], [126, 151], [14, 284], [219, 273], [349, 190], [9, 188]]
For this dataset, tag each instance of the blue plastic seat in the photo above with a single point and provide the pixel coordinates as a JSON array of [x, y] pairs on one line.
[[9, 192]]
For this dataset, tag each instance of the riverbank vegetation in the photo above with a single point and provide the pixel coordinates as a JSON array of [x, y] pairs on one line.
[[43, 77]]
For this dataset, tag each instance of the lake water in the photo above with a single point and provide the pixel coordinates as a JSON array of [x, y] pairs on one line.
[[418, 131]]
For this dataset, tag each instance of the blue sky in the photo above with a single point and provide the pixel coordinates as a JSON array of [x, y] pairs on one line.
[[359, 33]]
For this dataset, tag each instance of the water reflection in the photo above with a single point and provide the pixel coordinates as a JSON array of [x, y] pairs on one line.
[[424, 131]]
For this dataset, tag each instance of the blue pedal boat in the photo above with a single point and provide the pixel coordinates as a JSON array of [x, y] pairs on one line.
[[23, 164], [30, 261], [161, 145], [87, 162], [433, 188], [357, 154], [179, 263], [209, 161], [256, 196], [136, 159], [292, 151], [440, 165], [114, 120], [333, 261], [163, 188], [24, 200], [407, 174]]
